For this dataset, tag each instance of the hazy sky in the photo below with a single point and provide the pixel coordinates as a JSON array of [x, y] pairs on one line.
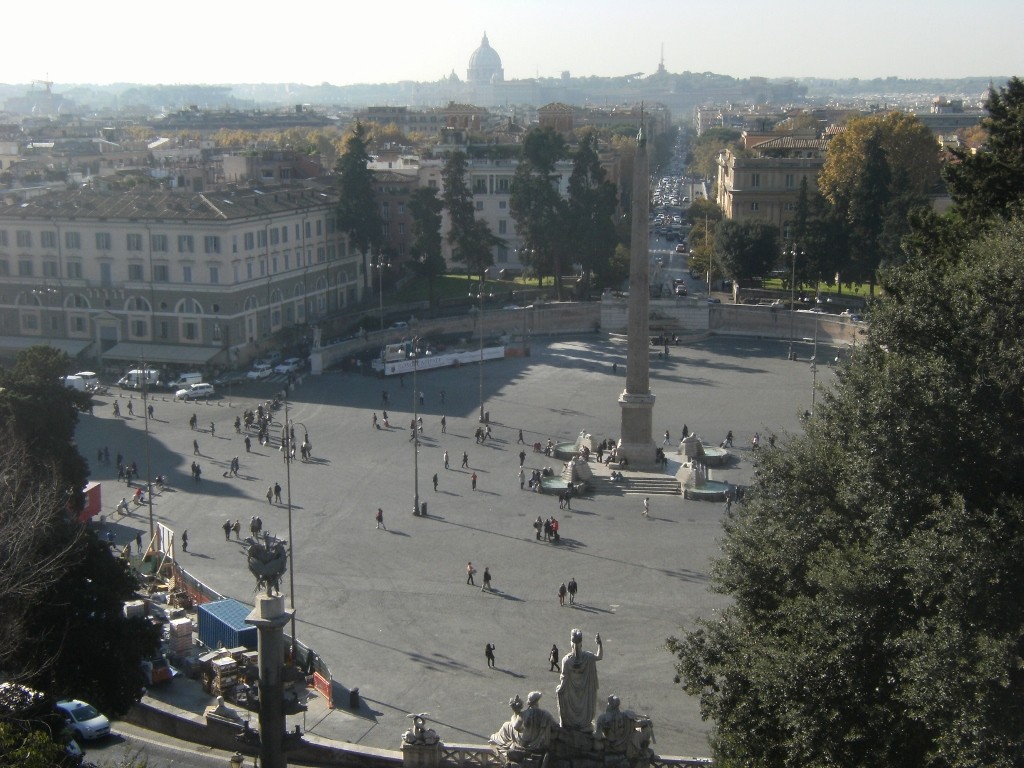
[[342, 42]]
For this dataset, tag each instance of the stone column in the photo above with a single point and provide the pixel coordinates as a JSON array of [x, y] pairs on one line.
[[270, 617], [636, 441]]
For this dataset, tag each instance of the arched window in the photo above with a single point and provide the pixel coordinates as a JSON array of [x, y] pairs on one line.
[[76, 301], [188, 306], [300, 289], [251, 303], [276, 297], [137, 304]]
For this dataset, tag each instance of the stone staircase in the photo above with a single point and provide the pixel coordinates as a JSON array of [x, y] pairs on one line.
[[636, 484]]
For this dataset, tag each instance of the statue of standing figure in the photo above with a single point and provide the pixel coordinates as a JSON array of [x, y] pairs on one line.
[[577, 686]]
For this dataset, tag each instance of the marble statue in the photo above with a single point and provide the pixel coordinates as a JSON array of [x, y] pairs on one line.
[[623, 735], [577, 686], [507, 737], [536, 726], [419, 734]]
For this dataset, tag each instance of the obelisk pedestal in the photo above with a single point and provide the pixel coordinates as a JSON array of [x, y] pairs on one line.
[[270, 617], [636, 441]]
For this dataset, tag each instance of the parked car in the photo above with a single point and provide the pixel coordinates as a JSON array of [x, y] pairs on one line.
[[680, 290], [83, 720], [194, 392], [259, 371], [291, 365]]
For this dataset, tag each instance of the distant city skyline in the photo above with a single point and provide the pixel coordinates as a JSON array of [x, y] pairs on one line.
[[342, 44]]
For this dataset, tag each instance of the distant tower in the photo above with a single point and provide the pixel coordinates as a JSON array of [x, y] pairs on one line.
[[636, 401], [661, 63]]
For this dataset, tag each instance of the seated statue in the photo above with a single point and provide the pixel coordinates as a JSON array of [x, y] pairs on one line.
[[624, 734], [536, 726], [506, 736]]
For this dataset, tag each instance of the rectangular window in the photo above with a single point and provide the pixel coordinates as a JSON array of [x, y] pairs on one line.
[[385, 211], [298, 232], [755, 206], [503, 185], [250, 241], [502, 227], [134, 241], [3, 238], [30, 322], [161, 273], [74, 270], [48, 238], [263, 268], [135, 272], [261, 238], [319, 227], [158, 243], [139, 328], [321, 255], [186, 244], [186, 274], [401, 227], [189, 331], [273, 265], [284, 234], [275, 236], [214, 275], [790, 180], [164, 329], [480, 186], [73, 240], [790, 206], [248, 270], [24, 238], [5, 268], [309, 229], [401, 209], [755, 180], [502, 204], [78, 324], [25, 268], [479, 205], [50, 269], [103, 241], [385, 230], [287, 261], [211, 244]]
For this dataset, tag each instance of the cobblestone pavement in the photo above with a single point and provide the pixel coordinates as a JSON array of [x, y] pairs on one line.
[[390, 611]]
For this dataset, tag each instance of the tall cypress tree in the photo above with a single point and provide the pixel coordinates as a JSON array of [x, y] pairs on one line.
[[358, 214]]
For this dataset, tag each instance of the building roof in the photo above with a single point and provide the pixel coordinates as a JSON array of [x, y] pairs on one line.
[[220, 205]]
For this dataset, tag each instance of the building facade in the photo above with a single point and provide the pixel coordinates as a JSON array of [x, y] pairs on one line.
[[189, 279]]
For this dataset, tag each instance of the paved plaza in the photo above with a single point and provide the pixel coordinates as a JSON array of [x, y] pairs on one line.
[[390, 611]]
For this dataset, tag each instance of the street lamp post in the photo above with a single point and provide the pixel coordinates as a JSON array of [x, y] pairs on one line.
[[793, 249], [380, 266], [149, 468], [481, 319], [286, 445], [415, 430]]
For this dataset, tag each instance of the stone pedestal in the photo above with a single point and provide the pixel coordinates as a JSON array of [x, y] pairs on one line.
[[421, 755], [270, 617], [635, 442]]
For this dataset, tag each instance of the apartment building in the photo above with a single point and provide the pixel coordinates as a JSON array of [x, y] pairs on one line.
[[179, 278], [764, 183]]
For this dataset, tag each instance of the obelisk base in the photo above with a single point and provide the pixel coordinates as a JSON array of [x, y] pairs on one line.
[[635, 443]]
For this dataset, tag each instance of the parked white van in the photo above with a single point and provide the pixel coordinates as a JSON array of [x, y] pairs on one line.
[[76, 383], [91, 379], [134, 378], [185, 380]]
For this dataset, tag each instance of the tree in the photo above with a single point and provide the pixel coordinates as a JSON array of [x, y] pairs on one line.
[[426, 207], [458, 200], [538, 209], [358, 214], [990, 183], [877, 605], [746, 249], [590, 211], [706, 149], [876, 172]]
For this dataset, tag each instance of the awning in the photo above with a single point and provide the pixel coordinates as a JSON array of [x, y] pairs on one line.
[[162, 353], [73, 347]]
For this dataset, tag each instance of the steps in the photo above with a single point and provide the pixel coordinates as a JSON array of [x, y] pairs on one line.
[[636, 485]]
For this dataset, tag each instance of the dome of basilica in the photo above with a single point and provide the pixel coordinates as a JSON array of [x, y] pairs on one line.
[[485, 65]]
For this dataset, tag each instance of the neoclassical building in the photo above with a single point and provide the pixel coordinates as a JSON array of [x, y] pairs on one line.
[[180, 278]]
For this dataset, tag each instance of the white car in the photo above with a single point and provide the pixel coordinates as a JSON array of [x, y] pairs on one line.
[[83, 720], [194, 392], [259, 371], [290, 365]]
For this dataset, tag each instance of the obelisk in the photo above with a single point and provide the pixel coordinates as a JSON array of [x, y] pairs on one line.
[[636, 441]]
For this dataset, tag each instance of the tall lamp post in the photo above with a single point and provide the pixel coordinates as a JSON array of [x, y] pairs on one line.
[[286, 445], [793, 251], [149, 468], [415, 429], [480, 317], [380, 266]]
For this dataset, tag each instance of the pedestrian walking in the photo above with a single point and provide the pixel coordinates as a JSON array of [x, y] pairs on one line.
[[227, 530], [554, 659], [686, 432], [248, 444], [277, 492], [538, 526], [561, 594], [213, 430], [520, 440], [380, 519], [435, 482], [489, 653], [421, 399], [131, 408], [236, 528], [647, 506], [473, 479], [522, 458], [470, 570], [192, 421], [667, 438], [195, 448], [259, 525], [138, 543], [444, 425], [465, 460], [446, 459], [572, 587], [184, 540], [522, 477], [487, 580], [270, 494], [252, 525], [150, 411]]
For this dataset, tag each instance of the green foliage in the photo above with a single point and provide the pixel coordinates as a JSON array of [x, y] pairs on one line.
[[358, 214], [991, 183], [426, 207], [458, 200], [706, 149], [746, 249], [877, 606], [31, 748], [590, 211]]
